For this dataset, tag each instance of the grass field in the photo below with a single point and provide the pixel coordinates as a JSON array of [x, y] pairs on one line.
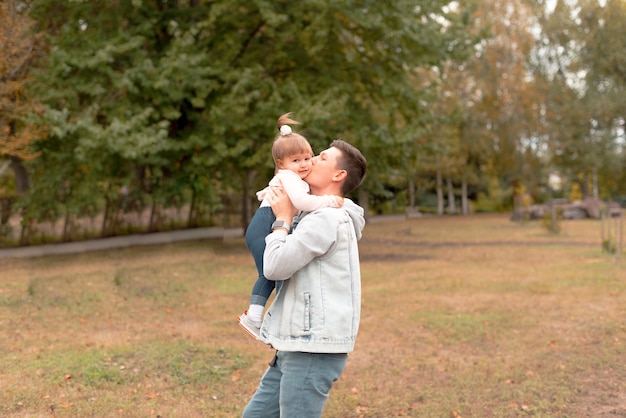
[[461, 317]]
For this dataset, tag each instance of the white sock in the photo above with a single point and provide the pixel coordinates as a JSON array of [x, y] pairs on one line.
[[255, 312]]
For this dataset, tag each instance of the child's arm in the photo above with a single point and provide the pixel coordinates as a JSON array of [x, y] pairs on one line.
[[261, 194], [298, 192]]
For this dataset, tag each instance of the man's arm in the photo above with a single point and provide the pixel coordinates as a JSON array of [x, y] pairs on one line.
[[281, 205], [286, 254]]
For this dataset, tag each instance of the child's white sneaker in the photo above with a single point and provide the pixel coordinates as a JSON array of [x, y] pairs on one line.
[[253, 328]]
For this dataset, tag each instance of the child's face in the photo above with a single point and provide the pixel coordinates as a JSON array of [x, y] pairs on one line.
[[298, 163]]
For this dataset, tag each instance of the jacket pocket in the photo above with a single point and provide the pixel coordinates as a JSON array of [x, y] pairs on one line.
[[307, 312]]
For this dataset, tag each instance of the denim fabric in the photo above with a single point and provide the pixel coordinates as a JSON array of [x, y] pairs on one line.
[[318, 306], [260, 226], [297, 385]]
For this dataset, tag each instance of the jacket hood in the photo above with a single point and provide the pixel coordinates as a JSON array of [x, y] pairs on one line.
[[356, 213]]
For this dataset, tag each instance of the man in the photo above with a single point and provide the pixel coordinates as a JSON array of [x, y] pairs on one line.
[[314, 319]]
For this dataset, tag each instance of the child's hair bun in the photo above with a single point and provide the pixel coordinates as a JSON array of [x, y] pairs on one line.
[[285, 130]]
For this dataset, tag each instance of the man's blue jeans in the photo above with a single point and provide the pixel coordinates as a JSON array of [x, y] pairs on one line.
[[296, 385]]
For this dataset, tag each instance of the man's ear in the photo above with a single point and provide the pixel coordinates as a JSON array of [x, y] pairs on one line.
[[340, 175]]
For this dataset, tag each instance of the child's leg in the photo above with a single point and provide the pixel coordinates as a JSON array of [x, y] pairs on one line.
[[260, 226]]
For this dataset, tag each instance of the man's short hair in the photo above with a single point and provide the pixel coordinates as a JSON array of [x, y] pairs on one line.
[[353, 162]]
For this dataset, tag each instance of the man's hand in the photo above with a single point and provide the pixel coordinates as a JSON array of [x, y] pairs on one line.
[[281, 204]]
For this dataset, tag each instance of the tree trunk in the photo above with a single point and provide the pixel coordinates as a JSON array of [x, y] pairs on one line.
[[154, 223], [191, 218], [246, 214], [364, 200], [439, 192], [464, 198], [67, 228], [107, 219], [451, 199], [584, 186], [411, 187], [22, 181]]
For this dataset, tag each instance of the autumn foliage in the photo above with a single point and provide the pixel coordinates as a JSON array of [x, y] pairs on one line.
[[18, 45]]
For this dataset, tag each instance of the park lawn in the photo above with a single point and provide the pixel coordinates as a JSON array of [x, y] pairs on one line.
[[471, 316]]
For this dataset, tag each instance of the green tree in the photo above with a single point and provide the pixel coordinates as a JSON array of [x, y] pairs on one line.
[[171, 98], [505, 116], [487, 130], [601, 32], [123, 99], [582, 59]]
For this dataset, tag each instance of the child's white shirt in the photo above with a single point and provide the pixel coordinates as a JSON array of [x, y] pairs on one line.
[[298, 192]]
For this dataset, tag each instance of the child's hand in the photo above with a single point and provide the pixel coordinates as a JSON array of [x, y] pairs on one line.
[[261, 194]]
